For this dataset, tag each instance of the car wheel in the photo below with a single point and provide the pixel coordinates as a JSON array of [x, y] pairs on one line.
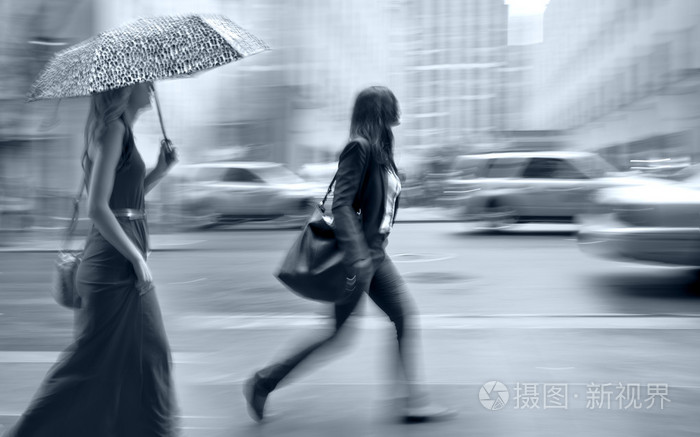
[[501, 216]]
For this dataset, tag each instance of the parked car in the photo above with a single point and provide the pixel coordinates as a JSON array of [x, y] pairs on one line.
[[519, 187], [220, 192], [658, 222]]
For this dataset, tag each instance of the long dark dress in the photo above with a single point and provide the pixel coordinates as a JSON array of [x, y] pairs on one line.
[[115, 379]]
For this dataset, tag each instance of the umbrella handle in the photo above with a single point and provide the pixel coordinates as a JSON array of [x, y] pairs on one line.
[[160, 117], [166, 141]]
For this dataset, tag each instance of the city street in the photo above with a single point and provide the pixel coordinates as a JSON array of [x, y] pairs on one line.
[[584, 346], [506, 130]]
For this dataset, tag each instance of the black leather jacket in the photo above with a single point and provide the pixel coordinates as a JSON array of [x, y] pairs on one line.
[[360, 186]]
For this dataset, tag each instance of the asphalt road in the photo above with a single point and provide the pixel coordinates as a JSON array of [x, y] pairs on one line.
[[581, 346]]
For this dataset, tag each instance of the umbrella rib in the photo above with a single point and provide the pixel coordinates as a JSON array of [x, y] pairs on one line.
[[236, 54], [237, 44]]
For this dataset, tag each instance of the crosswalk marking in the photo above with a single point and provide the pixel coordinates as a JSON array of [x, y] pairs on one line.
[[272, 322], [447, 321]]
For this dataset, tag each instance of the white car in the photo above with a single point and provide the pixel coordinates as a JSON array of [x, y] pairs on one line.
[[505, 188], [321, 173], [240, 191], [658, 222]]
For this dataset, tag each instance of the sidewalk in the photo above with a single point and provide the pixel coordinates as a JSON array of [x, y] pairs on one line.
[[49, 240], [347, 391]]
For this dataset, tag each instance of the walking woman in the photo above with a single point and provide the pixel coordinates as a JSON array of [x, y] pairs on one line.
[[115, 379], [367, 183]]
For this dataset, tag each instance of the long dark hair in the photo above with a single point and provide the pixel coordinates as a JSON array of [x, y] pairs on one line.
[[376, 110]]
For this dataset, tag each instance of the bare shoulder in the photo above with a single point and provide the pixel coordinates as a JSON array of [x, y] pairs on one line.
[[110, 140], [113, 133]]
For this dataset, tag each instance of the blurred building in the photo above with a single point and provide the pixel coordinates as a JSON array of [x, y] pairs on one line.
[[622, 77], [39, 168], [454, 78], [518, 89], [447, 61], [332, 50], [532, 140], [518, 85], [524, 29], [291, 104]]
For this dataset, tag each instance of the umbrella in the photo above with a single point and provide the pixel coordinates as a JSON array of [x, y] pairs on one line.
[[145, 50]]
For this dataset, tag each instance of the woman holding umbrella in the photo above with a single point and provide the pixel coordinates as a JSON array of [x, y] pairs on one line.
[[115, 379]]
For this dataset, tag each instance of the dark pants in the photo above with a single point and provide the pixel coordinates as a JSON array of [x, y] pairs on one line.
[[388, 290]]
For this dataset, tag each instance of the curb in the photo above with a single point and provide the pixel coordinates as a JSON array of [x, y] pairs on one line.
[[30, 249], [18, 247], [52, 244], [427, 220]]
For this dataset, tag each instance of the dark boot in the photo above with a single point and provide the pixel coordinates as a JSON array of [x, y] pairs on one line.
[[255, 396]]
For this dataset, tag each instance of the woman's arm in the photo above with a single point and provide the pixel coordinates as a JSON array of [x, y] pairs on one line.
[[153, 178], [165, 161], [351, 171], [348, 230], [105, 157]]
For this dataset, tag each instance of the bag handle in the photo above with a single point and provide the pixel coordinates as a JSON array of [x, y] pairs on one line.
[[70, 230], [321, 204]]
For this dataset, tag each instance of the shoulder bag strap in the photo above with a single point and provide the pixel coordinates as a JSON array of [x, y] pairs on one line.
[[321, 205], [74, 220], [328, 192]]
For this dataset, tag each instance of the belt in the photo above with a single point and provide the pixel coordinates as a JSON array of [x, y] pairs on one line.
[[128, 213]]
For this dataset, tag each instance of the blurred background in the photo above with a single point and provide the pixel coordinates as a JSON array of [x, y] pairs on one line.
[[618, 79], [540, 141]]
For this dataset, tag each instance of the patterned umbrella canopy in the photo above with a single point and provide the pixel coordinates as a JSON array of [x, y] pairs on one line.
[[145, 50]]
